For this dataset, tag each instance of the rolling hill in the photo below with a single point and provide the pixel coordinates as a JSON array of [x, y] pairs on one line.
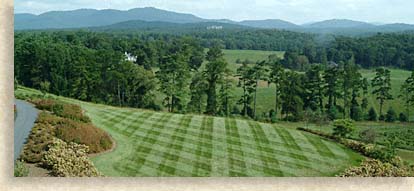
[[339, 23], [165, 144], [270, 24], [110, 18], [91, 17]]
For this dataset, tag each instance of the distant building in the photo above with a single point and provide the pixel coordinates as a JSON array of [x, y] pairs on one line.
[[214, 27], [130, 57]]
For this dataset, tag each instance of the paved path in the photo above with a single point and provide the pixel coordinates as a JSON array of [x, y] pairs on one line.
[[26, 117]]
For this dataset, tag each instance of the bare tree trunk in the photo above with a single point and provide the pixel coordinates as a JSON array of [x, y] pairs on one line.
[[276, 101], [255, 97]]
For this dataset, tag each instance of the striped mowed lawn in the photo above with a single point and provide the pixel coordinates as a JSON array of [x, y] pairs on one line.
[[164, 144]]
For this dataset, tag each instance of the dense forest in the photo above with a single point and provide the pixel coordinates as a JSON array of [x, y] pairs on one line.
[[93, 67]]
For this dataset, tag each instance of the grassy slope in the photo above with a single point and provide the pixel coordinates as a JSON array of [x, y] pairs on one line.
[[402, 130], [163, 144]]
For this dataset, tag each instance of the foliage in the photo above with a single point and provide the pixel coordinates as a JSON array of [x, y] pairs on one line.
[[407, 93], [20, 170], [382, 86], [387, 49], [214, 73], [343, 127], [376, 168], [368, 135], [372, 115], [402, 118], [44, 87], [40, 136], [69, 160], [61, 109], [66, 122], [96, 139], [391, 116]]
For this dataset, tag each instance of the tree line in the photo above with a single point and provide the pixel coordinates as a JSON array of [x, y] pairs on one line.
[[381, 50], [178, 74]]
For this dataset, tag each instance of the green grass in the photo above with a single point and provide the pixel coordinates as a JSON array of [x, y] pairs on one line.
[[253, 55], [397, 79], [266, 100], [404, 132], [164, 144]]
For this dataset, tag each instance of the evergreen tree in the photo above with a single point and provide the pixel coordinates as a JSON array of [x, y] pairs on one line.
[[407, 94], [174, 77], [382, 86], [247, 83], [372, 114], [291, 95], [351, 84], [331, 77], [314, 85], [391, 116], [225, 95], [198, 93], [275, 77], [214, 72]]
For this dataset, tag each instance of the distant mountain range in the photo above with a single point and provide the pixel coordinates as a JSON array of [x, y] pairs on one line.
[[140, 18]]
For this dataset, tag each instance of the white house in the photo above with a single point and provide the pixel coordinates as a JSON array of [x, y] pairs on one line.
[[130, 57]]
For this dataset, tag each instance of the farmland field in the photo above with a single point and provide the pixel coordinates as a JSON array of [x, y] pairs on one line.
[[164, 144], [253, 55]]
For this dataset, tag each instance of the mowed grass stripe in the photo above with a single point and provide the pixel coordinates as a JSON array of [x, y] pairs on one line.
[[138, 158], [202, 167], [290, 143], [270, 164], [172, 155], [220, 155], [237, 165], [321, 148]]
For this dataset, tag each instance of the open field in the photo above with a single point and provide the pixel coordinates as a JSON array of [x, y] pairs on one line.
[[164, 144], [253, 55]]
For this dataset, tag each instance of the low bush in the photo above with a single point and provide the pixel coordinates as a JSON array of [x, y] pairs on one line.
[[69, 160], [62, 109], [73, 112], [368, 135], [343, 127], [40, 136], [402, 117], [372, 115], [44, 104], [83, 133], [376, 168], [391, 116], [384, 154], [20, 169], [319, 133]]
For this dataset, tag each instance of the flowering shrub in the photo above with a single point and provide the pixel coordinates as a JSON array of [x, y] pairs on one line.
[[376, 168], [20, 170], [69, 160]]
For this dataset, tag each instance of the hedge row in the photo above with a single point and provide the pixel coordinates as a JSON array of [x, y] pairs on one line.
[[383, 163]]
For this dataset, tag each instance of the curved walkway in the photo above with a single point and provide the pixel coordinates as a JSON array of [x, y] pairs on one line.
[[25, 120]]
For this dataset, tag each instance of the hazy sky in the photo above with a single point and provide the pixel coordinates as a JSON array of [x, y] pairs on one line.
[[297, 11]]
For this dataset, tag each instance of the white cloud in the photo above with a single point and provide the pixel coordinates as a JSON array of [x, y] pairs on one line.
[[298, 11]]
